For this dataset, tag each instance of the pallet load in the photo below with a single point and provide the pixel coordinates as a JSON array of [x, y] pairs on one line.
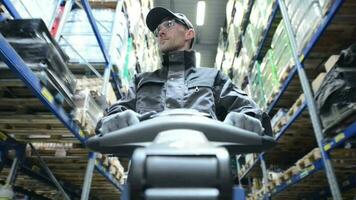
[[260, 14], [90, 102], [257, 91], [305, 16], [336, 99], [282, 52], [33, 42]]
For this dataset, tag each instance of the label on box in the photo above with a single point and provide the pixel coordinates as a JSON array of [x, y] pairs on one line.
[[327, 147], [47, 94], [304, 174], [81, 133], [339, 137]]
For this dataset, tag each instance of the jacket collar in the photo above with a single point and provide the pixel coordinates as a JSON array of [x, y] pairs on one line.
[[186, 58]]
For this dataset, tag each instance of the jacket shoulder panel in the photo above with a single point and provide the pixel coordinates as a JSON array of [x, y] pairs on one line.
[[147, 77]]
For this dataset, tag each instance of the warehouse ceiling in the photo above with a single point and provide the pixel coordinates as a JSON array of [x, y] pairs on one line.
[[208, 34]]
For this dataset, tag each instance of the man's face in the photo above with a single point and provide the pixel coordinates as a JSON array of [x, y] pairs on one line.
[[171, 36]]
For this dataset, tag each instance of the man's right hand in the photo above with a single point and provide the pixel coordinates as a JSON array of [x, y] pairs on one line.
[[118, 121]]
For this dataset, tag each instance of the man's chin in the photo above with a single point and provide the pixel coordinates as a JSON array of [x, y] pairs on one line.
[[164, 50]]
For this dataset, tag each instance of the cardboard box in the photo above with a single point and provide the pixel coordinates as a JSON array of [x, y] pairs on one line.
[[318, 81], [329, 64]]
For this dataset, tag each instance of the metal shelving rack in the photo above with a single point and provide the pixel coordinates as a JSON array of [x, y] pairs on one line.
[[18, 66], [324, 146]]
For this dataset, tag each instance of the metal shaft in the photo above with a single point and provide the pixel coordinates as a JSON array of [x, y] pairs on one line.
[[311, 104], [88, 176], [50, 174], [11, 177]]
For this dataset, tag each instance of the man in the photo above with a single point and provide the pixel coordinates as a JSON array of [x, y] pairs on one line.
[[179, 84]]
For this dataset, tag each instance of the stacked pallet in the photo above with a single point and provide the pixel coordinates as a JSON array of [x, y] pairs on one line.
[[301, 165], [90, 102], [113, 166]]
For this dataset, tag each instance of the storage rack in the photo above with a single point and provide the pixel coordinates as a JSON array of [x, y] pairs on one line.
[[31, 177], [295, 137]]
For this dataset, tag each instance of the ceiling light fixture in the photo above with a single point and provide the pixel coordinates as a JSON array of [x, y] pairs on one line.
[[197, 59], [200, 13]]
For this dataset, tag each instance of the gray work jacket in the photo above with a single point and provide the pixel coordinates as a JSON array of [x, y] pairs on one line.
[[179, 84]]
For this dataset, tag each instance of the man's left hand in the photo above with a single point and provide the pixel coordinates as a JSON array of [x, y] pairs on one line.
[[244, 121]]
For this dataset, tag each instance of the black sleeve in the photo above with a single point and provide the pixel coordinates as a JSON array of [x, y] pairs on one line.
[[127, 102]]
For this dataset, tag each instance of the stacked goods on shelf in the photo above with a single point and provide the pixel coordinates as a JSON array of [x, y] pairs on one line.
[[90, 103], [260, 13], [113, 165], [44, 9], [239, 71], [239, 68], [142, 53], [241, 8], [132, 10], [70, 151], [305, 16], [230, 11], [325, 5], [235, 13], [148, 53], [87, 112], [249, 161], [269, 76], [78, 39], [118, 51], [273, 70], [229, 54], [303, 165], [282, 52], [335, 99], [33, 42], [221, 48], [279, 120], [95, 86], [230, 41], [58, 149], [259, 17], [256, 85]]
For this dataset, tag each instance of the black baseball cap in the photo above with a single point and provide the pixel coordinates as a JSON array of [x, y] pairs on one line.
[[158, 14]]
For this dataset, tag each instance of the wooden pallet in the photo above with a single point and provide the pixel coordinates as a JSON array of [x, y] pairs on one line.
[[273, 96], [289, 173], [316, 83], [81, 118], [280, 124], [69, 168], [113, 165], [285, 73], [308, 159], [296, 106]]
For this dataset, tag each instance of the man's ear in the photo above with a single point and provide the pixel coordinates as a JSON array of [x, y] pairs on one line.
[[190, 34]]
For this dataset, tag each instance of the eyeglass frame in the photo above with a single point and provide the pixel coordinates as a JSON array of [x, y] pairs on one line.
[[175, 20]]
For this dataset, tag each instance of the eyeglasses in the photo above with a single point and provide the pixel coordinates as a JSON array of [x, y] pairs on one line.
[[167, 25]]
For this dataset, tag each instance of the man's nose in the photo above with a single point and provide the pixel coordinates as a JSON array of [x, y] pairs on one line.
[[161, 32]]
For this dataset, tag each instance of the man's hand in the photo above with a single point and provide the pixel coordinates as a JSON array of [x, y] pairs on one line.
[[118, 121], [244, 121]]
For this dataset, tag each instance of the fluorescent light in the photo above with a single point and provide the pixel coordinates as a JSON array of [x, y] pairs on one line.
[[197, 59], [200, 13]]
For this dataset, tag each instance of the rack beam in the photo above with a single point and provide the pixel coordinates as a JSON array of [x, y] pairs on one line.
[[341, 138], [11, 9], [316, 166]]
